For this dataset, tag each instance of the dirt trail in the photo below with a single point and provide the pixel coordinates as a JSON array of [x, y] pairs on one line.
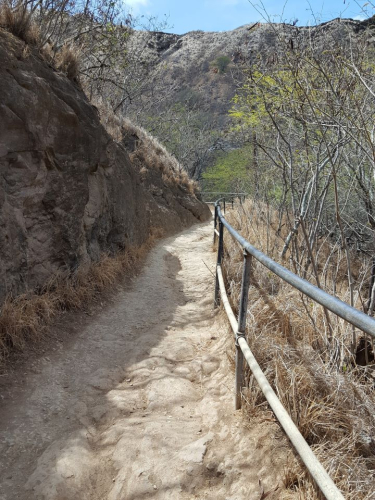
[[139, 403]]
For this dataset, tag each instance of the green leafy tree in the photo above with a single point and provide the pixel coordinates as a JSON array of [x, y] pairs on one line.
[[222, 63]]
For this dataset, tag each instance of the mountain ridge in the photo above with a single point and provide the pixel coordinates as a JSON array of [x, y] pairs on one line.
[[185, 76]]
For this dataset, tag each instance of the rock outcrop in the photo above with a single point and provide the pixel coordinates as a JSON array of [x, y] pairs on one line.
[[68, 192]]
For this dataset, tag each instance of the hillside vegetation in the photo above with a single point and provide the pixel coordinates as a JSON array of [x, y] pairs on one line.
[[307, 121], [308, 362], [310, 120]]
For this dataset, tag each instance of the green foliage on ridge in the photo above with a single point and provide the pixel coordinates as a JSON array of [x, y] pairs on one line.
[[230, 172], [221, 63]]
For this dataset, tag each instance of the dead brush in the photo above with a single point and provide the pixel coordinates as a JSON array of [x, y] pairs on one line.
[[305, 362], [148, 153], [17, 19], [293, 477], [48, 53], [68, 60], [20, 320], [167, 179], [24, 319], [110, 121]]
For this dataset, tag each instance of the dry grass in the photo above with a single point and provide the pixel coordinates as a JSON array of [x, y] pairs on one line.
[[15, 18], [151, 154], [25, 318], [148, 154], [67, 61], [330, 399]]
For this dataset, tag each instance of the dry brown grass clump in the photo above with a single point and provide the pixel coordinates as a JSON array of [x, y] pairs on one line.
[[150, 153], [68, 60], [25, 318], [146, 151], [15, 18], [310, 368], [110, 121]]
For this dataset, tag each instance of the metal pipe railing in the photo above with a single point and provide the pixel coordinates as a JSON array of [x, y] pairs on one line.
[[230, 197], [316, 469], [338, 307], [333, 304]]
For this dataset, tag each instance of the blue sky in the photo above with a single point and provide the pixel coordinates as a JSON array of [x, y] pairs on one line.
[[221, 15]]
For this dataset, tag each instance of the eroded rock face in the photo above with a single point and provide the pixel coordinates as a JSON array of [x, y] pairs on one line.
[[68, 192]]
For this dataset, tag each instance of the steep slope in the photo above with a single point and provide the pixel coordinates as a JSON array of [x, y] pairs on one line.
[[68, 191]]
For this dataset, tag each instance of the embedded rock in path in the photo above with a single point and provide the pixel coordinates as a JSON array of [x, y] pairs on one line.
[[195, 452]]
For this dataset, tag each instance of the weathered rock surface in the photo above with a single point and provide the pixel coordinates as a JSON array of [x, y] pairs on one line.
[[68, 192]]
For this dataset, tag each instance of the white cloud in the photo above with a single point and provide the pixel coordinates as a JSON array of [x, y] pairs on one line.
[[135, 4], [360, 17]]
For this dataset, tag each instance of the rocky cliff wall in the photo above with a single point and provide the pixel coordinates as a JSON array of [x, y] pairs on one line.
[[68, 192]]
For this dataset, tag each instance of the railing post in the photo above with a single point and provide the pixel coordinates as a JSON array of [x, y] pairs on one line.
[[224, 206], [232, 202], [220, 249], [215, 223], [246, 275]]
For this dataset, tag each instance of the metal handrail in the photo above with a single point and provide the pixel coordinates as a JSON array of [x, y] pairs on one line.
[[340, 308], [224, 195], [316, 469], [333, 304]]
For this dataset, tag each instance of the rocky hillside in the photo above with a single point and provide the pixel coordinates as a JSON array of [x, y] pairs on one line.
[[201, 70], [184, 63], [190, 60], [68, 191]]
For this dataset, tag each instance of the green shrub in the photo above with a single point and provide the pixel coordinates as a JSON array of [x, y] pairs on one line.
[[221, 63]]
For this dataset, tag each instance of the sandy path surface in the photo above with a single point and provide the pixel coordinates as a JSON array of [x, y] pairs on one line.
[[138, 404]]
